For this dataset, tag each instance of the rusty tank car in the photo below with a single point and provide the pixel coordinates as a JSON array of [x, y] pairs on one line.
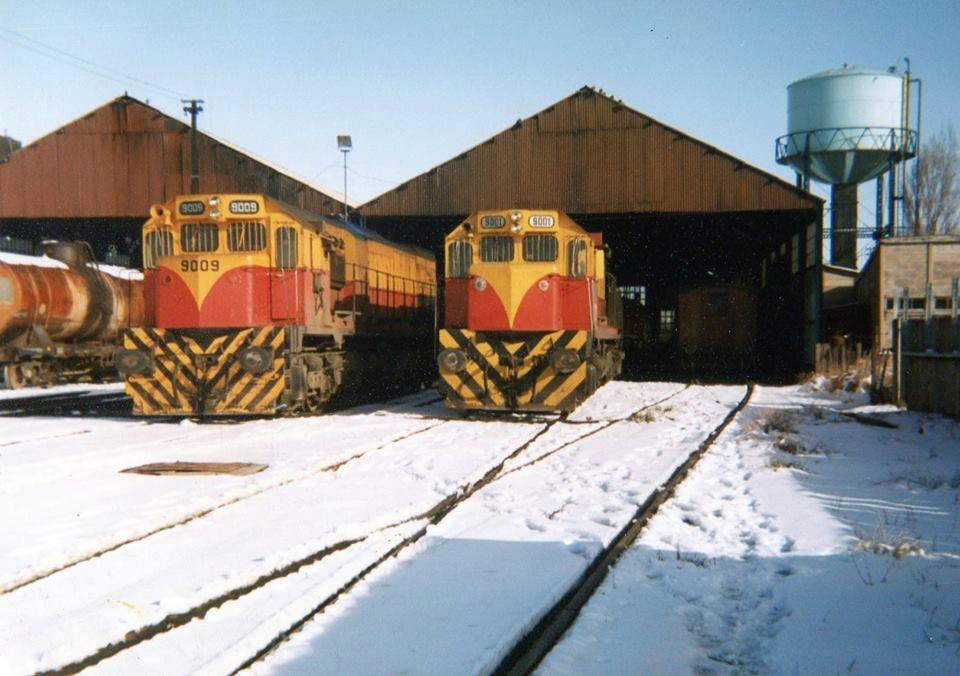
[[61, 313]]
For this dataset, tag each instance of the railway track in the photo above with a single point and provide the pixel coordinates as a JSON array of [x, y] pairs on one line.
[[421, 522], [86, 403], [532, 648], [433, 517]]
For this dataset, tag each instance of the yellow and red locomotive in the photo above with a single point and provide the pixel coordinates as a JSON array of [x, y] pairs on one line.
[[255, 306], [532, 319]]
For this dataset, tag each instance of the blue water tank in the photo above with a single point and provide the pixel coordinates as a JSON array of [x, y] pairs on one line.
[[844, 125]]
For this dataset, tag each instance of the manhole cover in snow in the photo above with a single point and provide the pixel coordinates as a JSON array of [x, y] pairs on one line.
[[180, 468]]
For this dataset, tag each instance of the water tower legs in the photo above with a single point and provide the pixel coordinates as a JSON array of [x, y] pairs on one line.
[[843, 224]]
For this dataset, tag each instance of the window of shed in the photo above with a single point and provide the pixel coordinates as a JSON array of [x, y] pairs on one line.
[[199, 237], [944, 303], [795, 254], [496, 249], [667, 323], [638, 293]]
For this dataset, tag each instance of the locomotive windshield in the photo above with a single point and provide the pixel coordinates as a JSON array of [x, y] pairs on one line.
[[496, 249], [540, 248], [199, 237]]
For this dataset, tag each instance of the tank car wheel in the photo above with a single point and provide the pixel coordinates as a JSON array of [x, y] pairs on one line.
[[16, 376]]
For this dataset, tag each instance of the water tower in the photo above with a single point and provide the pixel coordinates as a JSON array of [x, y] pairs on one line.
[[846, 126]]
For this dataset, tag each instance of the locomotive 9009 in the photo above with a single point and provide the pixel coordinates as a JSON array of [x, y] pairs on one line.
[[255, 306], [532, 319], [60, 314]]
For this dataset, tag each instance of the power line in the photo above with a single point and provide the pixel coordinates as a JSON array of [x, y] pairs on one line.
[[78, 62], [375, 178]]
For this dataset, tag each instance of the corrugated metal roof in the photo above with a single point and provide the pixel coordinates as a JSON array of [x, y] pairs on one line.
[[590, 153], [119, 159]]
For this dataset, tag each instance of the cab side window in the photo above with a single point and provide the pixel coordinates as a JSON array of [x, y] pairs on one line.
[[459, 259], [577, 258], [158, 243], [286, 247]]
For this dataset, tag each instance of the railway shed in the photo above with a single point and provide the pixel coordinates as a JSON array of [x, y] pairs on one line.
[[96, 177], [677, 213]]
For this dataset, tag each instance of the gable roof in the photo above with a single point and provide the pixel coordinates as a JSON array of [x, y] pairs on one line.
[[591, 153], [119, 159]]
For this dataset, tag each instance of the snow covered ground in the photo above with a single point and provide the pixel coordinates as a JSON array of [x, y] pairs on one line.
[[802, 542], [401, 537]]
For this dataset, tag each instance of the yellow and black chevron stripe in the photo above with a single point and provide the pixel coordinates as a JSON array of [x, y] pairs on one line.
[[198, 373], [516, 374]]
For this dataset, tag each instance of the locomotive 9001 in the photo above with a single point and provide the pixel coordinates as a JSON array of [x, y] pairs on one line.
[[532, 319], [255, 307]]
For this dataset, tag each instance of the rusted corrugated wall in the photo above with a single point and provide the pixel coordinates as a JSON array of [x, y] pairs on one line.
[[124, 156], [590, 153]]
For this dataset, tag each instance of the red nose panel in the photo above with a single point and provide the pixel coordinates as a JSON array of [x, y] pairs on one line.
[[175, 305], [540, 308], [485, 310], [241, 297]]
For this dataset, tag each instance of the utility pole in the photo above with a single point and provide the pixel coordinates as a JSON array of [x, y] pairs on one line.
[[344, 145], [194, 108]]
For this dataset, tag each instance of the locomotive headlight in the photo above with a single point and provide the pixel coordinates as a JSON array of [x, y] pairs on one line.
[[515, 228], [214, 201], [516, 217], [255, 360], [133, 362], [452, 361], [565, 361], [479, 284], [214, 214]]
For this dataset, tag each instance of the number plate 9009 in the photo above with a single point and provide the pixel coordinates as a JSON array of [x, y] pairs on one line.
[[199, 265]]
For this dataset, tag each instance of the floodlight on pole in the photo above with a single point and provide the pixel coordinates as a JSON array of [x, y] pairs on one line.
[[345, 145]]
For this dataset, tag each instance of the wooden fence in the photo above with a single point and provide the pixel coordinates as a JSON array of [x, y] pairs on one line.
[[839, 359], [926, 364]]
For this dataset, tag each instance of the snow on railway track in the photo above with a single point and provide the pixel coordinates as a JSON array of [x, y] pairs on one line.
[[458, 600], [326, 531], [63, 499]]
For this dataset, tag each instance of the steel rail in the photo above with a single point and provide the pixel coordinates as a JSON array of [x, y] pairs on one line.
[[527, 654]]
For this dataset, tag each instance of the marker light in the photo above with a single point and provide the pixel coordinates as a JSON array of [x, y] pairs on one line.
[[480, 284]]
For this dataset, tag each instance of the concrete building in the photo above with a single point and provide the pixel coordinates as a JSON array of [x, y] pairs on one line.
[[918, 272]]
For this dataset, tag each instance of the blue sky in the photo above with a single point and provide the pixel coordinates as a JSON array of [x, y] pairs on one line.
[[415, 83]]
